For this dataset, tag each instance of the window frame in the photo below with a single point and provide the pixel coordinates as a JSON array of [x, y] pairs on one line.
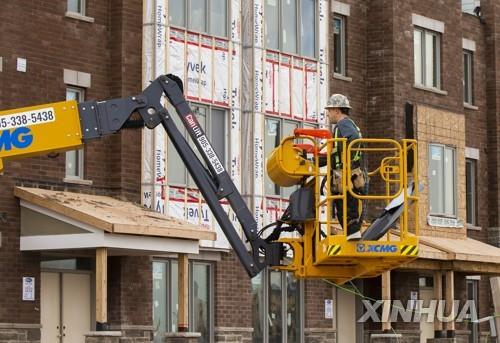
[[265, 277], [188, 181], [208, 19], [455, 183], [468, 88], [424, 63], [80, 160], [343, 44], [473, 179], [82, 10], [169, 296], [465, 9], [298, 31]]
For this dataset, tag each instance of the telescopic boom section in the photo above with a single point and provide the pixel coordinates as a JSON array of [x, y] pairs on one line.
[[107, 117]]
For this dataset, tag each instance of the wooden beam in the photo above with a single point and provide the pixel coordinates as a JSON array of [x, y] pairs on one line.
[[174, 232], [495, 292], [386, 296], [450, 297], [101, 287], [438, 295], [183, 266]]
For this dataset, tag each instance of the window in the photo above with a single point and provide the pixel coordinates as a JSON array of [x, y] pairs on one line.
[[214, 122], [339, 45], [468, 77], [206, 16], [470, 188], [427, 58], [468, 6], [442, 180], [165, 299], [277, 307], [275, 130], [290, 26], [74, 158], [76, 6]]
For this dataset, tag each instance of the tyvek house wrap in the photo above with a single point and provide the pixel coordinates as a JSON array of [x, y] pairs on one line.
[[237, 74]]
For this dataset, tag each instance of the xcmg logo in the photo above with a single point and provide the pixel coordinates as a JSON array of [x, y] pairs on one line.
[[19, 138], [376, 248]]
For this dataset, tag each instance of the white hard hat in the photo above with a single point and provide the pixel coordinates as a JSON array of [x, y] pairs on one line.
[[338, 101]]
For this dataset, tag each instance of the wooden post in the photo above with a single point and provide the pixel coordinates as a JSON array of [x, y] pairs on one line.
[[101, 288], [438, 295], [449, 308], [183, 265], [495, 292], [386, 297]]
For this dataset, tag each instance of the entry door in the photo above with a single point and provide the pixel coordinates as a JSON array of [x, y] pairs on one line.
[[50, 303], [346, 316], [426, 328], [65, 307]]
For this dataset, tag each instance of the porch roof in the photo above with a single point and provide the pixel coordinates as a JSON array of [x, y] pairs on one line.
[[52, 220]]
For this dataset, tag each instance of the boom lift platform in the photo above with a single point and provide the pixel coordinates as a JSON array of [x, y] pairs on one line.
[[319, 251], [322, 249]]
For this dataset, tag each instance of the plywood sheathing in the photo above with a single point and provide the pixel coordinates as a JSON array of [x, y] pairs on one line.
[[442, 127], [466, 249], [112, 215]]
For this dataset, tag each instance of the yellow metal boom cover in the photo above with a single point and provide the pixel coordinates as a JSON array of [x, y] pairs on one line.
[[286, 167], [30, 131]]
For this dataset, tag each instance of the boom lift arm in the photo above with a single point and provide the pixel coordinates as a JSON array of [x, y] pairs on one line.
[[102, 118]]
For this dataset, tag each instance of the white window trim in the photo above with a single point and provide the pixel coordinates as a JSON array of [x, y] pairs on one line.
[[78, 16], [430, 89], [427, 23], [468, 44], [472, 153], [77, 78], [341, 8], [342, 77]]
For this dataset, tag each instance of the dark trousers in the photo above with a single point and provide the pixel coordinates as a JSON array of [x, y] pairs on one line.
[[352, 213]]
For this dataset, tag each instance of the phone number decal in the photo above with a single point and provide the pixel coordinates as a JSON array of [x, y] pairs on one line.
[[41, 116]]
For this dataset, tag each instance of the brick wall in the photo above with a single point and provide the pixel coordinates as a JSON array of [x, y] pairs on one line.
[[110, 50], [130, 291], [356, 40], [315, 294], [491, 13], [233, 293], [476, 133]]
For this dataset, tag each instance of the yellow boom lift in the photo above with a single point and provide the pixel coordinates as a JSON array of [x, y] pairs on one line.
[[307, 241]]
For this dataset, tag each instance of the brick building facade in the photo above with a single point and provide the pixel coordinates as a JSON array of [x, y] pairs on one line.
[[378, 75]]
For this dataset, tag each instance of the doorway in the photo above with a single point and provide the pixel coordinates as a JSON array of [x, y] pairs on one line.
[[426, 294], [66, 306], [346, 315]]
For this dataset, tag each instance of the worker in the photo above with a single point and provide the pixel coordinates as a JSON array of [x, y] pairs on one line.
[[337, 110]]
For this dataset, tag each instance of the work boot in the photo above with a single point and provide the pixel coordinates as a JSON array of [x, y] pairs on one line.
[[353, 230]]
